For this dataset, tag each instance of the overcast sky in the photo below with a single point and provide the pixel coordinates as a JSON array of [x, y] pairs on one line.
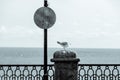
[[82, 23]]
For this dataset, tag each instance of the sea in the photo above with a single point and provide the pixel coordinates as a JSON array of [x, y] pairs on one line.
[[12, 55]]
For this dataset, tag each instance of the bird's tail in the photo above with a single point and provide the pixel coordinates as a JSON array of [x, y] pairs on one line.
[[58, 42]]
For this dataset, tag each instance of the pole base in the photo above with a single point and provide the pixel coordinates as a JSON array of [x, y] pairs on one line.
[[45, 77]]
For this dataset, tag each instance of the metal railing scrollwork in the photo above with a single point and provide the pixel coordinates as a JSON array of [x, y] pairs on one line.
[[36, 72], [24, 72], [99, 72]]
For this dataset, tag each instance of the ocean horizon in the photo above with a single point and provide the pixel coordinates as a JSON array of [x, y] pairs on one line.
[[31, 55]]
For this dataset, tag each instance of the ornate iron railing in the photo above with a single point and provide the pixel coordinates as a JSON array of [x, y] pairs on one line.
[[25, 72], [99, 72], [35, 72]]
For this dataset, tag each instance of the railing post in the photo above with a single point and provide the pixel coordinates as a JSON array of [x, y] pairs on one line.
[[66, 65]]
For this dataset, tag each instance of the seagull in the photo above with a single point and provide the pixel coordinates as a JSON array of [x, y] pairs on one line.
[[63, 44]]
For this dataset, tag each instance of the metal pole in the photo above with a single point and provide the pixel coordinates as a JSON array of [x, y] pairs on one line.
[[45, 77], [45, 3]]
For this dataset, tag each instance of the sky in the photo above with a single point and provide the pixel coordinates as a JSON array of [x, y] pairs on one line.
[[82, 23]]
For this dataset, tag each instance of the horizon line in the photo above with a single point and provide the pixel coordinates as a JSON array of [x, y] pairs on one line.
[[58, 47]]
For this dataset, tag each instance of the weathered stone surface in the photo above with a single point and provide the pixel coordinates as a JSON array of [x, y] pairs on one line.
[[64, 54], [65, 65]]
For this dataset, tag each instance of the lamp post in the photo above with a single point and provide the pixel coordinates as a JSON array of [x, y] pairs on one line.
[[45, 77], [45, 18]]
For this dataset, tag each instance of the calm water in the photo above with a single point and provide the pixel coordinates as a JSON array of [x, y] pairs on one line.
[[35, 55]]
